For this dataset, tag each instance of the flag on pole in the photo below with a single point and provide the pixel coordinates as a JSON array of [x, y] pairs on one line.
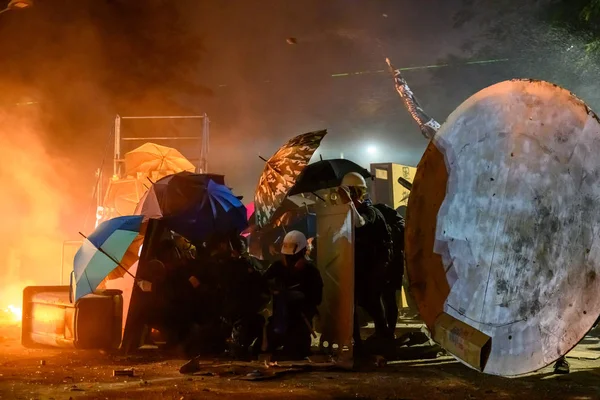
[[428, 125]]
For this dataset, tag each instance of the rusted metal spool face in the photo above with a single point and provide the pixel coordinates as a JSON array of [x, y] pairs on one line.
[[503, 222]]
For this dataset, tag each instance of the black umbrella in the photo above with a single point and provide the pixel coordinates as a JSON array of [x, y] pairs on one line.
[[175, 193], [325, 174], [194, 205]]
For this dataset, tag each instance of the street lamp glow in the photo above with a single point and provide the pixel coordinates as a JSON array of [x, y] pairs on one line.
[[19, 4], [372, 150]]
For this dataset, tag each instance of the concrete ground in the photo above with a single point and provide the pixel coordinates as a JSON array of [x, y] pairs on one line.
[[68, 374]]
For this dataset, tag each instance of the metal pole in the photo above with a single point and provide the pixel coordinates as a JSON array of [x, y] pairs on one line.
[[99, 197], [199, 165], [160, 138], [99, 188], [205, 143], [62, 264], [207, 121], [202, 166], [116, 163], [167, 117]]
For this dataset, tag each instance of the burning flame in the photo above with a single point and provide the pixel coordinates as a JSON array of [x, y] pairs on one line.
[[31, 234], [13, 314], [17, 312], [10, 302]]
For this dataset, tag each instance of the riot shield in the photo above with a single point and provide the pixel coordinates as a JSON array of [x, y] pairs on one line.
[[502, 230], [335, 260]]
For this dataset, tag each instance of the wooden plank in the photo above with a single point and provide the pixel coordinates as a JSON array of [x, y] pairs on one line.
[[424, 268], [585, 355], [503, 222]]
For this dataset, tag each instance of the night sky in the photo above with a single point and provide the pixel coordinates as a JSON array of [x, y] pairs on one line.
[[84, 61]]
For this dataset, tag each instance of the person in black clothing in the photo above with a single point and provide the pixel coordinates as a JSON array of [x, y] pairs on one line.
[[239, 249], [371, 255], [244, 295], [230, 293], [170, 294], [297, 290], [395, 269], [209, 332]]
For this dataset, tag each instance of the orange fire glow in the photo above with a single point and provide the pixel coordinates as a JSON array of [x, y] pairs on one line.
[[35, 193], [10, 303], [13, 313]]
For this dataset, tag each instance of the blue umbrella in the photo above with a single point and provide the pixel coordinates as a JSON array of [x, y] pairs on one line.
[[219, 212], [175, 194], [103, 251]]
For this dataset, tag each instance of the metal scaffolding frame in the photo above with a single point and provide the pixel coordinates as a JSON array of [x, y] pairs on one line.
[[203, 140]]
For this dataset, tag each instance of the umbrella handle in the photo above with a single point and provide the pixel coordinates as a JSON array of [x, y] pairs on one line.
[[322, 199], [111, 257]]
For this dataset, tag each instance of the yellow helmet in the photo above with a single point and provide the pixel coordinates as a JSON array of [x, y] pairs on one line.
[[354, 179]]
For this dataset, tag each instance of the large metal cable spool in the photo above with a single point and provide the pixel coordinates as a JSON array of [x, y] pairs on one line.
[[503, 223]]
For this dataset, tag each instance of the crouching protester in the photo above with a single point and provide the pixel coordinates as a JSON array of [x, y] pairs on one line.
[[246, 296], [297, 290], [230, 293]]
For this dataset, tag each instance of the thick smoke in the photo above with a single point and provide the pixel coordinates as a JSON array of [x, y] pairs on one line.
[[85, 61], [79, 63], [34, 203]]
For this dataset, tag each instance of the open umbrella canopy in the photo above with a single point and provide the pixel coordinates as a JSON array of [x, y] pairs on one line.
[[175, 194], [219, 213], [325, 174], [290, 203], [195, 205], [123, 195], [154, 157], [281, 171], [114, 244]]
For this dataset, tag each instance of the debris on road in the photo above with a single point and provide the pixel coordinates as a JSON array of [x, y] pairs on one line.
[[123, 372]]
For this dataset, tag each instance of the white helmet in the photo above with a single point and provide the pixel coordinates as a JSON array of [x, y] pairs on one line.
[[354, 179], [293, 243]]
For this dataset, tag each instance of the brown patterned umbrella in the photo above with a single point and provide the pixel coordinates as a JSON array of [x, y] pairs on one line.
[[281, 171]]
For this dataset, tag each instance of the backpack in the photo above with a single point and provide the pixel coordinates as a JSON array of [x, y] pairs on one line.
[[373, 242], [395, 224]]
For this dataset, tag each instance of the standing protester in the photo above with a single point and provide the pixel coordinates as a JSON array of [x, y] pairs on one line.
[[297, 290], [395, 269], [372, 253]]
